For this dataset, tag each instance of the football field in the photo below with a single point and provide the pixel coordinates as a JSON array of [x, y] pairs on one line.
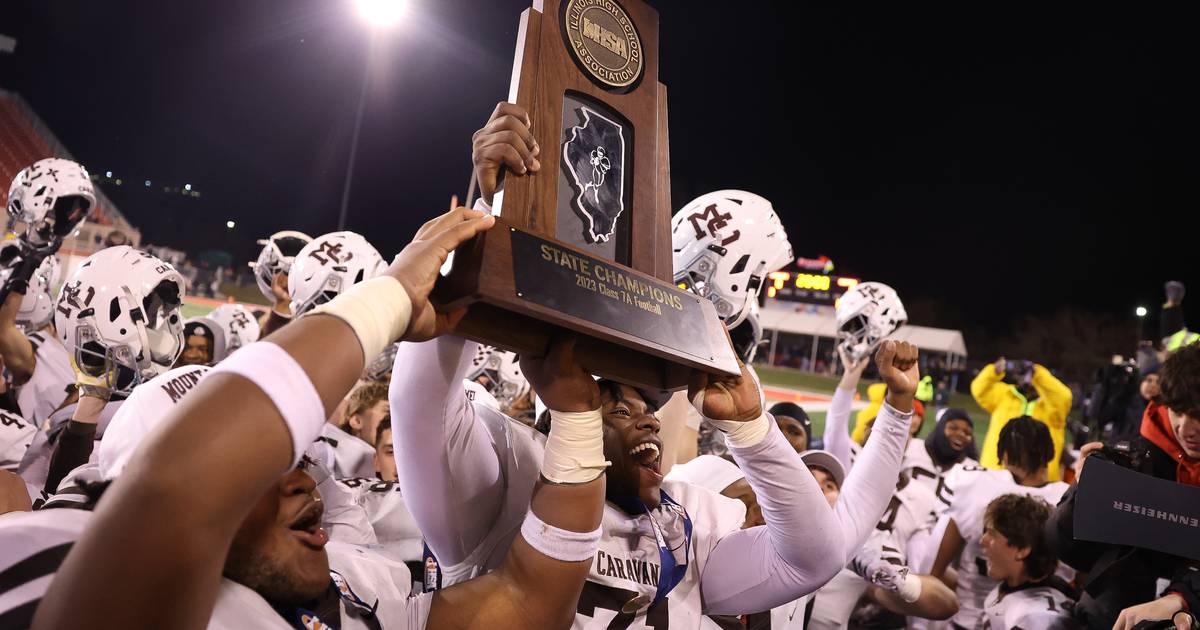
[[812, 392]]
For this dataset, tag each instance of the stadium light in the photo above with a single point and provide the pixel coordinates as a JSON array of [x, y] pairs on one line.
[[1141, 311], [230, 224], [380, 13], [187, 186]]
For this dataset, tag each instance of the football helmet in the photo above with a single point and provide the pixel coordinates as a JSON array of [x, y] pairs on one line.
[[238, 324], [119, 315], [50, 197], [866, 315], [276, 257], [500, 374], [329, 265], [725, 243]]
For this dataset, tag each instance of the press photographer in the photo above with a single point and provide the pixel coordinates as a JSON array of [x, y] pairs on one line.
[[1121, 587], [1117, 403], [1010, 389]]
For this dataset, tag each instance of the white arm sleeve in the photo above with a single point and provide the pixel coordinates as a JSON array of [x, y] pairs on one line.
[[837, 425], [869, 487], [449, 471], [762, 567]]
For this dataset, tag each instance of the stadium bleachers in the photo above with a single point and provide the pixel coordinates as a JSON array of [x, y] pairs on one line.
[[20, 145], [24, 139]]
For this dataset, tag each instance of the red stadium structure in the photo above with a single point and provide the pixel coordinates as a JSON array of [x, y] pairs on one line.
[[25, 139]]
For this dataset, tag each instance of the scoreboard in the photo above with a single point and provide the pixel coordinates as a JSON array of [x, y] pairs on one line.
[[809, 288]]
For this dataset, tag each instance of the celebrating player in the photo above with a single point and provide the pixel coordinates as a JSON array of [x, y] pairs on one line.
[[46, 201], [1026, 450], [118, 320], [218, 474], [1029, 594]]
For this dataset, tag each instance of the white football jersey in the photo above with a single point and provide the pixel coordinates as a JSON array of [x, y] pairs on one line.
[[34, 544], [913, 510], [35, 465], [343, 454], [919, 467], [975, 489], [16, 433], [364, 579], [386, 514], [628, 564], [51, 381], [1045, 606], [791, 616]]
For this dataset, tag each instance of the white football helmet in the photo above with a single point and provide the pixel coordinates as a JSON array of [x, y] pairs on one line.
[[120, 312], [276, 257], [725, 243], [50, 197], [748, 335], [329, 265], [238, 324], [37, 307], [500, 374], [866, 315]]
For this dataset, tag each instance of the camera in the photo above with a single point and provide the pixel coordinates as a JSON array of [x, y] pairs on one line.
[[1124, 454], [1017, 372]]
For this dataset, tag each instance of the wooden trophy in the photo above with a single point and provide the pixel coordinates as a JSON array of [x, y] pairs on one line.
[[585, 243]]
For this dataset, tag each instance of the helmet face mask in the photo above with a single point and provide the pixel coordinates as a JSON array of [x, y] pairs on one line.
[[331, 289], [748, 335], [94, 359], [276, 257], [381, 365], [856, 338], [67, 213], [499, 372]]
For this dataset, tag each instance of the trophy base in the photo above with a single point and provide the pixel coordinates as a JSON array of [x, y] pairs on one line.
[[521, 290]]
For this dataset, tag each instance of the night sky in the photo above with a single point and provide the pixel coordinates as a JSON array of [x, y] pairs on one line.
[[988, 165]]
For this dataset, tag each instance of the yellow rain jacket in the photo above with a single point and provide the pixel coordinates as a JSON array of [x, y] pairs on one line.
[[1006, 402], [875, 394], [925, 389]]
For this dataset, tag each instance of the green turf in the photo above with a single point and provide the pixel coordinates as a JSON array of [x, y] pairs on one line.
[[820, 383], [195, 310], [246, 293]]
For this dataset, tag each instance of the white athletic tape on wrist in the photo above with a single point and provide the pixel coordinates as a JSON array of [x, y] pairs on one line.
[[575, 448], [743, 434], [281, 378], [910, 588], [739, 434], [559, 544], [378, 310]]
